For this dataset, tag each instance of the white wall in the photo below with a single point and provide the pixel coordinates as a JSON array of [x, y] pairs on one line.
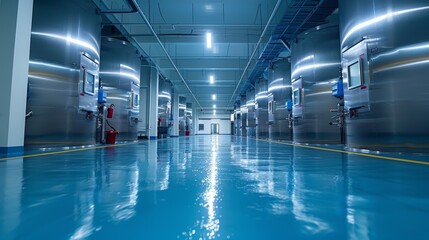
[[222, 119]]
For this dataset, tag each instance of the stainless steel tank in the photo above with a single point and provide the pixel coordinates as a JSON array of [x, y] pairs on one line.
[[164, 107], [385, 52], [120, 78], [188, 114], [243, 114], [182, 115], [315, 60], [279, 91], [261, 108], [251, 121], [63, 74]]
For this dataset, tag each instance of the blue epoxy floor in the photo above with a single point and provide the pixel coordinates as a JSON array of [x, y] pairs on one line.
[[212, 187]]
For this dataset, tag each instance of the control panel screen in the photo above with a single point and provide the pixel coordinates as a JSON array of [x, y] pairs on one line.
[[89, 83], [355, 78], [297, 96], [136, 100]]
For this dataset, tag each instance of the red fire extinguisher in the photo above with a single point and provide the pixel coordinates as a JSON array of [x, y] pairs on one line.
[[110, 111]]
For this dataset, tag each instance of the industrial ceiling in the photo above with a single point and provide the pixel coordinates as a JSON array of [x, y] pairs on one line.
[[246, 36]]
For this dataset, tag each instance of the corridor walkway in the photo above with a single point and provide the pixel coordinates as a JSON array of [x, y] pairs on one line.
[[213, 187]]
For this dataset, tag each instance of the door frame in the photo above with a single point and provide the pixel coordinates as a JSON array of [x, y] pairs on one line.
[[217, 128]]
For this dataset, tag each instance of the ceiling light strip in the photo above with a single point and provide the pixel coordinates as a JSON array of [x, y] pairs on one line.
[[209, 39]]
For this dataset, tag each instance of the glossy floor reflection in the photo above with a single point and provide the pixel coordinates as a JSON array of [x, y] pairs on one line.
[[212, 187]]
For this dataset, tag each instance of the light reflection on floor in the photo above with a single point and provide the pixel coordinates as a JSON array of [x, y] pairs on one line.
[[212, 187]]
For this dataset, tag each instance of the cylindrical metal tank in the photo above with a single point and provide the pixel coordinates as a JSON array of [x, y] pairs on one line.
[[385, 52], [315, 60], [243, 113], [188, 126], [182, 115], [237, 121], [251, 121], [279, 91], [63, 74], [261, 108], [164, 107], [120, 78]]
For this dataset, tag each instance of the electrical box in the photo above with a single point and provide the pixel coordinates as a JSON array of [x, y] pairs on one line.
[[102, 96], [289, 105], [337, 89]]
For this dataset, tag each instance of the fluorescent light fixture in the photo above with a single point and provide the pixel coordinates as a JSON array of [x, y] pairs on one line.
[[214, 112], [214, 106], [211, 79], [209, 40], [214, 96]]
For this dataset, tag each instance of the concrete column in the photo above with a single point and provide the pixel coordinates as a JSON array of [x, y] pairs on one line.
[[149, 104], [143, 125], [153, 103], [175, 109], [15, 24]]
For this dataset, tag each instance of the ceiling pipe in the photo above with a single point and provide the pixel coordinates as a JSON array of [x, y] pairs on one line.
[[135, 8], [131, 4], [285, 45], [274, 12], [140, 12]]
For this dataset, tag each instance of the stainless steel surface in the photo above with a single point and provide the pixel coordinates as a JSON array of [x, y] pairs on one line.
[[188, 117], [279, 91], [315, 61], [101, 124], [243, 114], [164, 102], [251, 121], [62, 110], [261, 108], [182, 115], [237, 121], [120, 77], [393, 48]]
